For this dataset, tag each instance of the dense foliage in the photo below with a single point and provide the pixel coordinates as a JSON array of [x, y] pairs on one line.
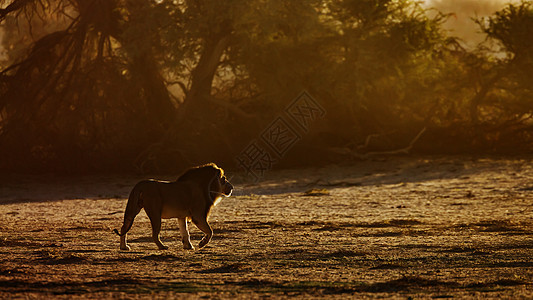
[[92, 85]]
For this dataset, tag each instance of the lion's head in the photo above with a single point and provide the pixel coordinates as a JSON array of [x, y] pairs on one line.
[[211, 177]]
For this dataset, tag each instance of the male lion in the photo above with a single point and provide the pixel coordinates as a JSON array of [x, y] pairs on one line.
[[190, 197]]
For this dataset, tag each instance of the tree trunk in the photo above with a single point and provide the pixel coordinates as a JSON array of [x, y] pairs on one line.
[[197, 98], [159, 105], [480, 96]]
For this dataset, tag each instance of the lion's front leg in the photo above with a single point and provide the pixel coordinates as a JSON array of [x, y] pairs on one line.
[[206, 229], [184, 231]]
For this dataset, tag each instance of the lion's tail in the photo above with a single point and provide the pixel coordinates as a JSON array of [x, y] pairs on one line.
[[133, 208]]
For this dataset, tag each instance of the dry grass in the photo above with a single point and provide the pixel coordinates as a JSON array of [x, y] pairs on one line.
[[427, 228]]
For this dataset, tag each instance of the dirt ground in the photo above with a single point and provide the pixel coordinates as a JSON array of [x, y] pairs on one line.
[[429, 227]]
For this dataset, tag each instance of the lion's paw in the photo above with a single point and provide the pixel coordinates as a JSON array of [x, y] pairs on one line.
[[202, 243]]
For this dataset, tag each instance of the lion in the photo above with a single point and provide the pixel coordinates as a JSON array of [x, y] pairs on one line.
[[190, 197]]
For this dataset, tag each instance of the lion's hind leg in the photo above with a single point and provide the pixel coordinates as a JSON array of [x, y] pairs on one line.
[[133, 207], [124, 232], [156, 228], [123, 243]]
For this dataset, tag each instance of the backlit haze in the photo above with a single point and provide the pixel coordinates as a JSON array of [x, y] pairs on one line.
[[461, 23]]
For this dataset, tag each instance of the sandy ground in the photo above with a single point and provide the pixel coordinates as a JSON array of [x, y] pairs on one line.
[[427, 227]]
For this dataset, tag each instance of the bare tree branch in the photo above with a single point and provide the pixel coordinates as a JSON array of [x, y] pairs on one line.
[[233, 108], [14, 6], [399, 151], [363, 156]]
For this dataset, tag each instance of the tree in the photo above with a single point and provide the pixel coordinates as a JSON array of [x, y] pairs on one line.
[[78, 94], [108, 84]]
